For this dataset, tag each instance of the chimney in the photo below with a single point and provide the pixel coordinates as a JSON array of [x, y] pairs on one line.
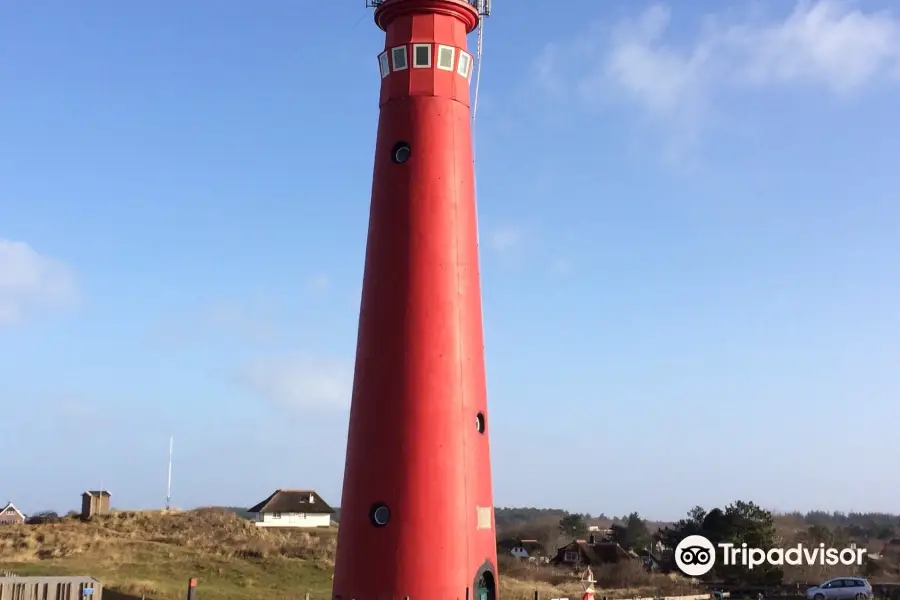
[[312, 498], [591, 539]]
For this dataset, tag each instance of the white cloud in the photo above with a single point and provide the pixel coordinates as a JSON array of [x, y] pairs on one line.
[[300, 383], [249, 321], [833, 44], [505, 239], [830, 42], [30, 282], [663, 80], [319, 283], [242, 321], [562, 267]]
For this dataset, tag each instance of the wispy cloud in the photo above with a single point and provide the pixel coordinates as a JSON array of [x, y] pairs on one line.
[[299, 383], [245, 321], [506, 239], [319, 283], [31, 282], [562, 267], [832, 44]]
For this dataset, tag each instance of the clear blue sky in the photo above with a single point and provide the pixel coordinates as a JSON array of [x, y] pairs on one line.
[[689, 246]]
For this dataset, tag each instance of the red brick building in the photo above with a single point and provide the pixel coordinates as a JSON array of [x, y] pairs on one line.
[[10, 515]]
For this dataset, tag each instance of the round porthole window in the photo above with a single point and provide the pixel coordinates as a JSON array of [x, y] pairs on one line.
[[400, 153], [479, 422], [379, 514]]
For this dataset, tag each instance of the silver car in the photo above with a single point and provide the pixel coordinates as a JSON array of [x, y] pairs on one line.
[[841, 588]]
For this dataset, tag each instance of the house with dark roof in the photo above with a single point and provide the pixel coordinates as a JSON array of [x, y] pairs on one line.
[[10, 515], [293, 508], [652, 561], [590, 553]]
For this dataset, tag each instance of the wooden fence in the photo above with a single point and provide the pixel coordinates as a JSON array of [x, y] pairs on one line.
[[13, 587]]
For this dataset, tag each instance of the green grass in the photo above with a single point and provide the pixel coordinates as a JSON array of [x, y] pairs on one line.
[[154, 555], [163, 574]]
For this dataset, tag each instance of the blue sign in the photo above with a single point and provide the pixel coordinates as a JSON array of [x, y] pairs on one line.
[[87, 591]]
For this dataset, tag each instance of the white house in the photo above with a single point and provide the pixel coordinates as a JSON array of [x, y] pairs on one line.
[[293, 508], [531, 550]]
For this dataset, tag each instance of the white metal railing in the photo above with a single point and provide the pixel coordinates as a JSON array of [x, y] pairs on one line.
[[483, 6]]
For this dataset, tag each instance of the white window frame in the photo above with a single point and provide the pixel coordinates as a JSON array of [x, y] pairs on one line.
[[442, 49], [402, 50], [467, 63], [384, 64], [415, 55]]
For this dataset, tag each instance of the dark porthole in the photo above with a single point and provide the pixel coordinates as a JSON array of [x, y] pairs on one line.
[[379, 514], [479, 422], [400, 153]]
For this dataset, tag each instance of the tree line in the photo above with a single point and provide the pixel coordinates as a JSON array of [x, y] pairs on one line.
[[737, 523]]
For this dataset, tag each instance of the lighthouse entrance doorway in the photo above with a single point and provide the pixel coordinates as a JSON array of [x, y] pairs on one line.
[[484, 587]]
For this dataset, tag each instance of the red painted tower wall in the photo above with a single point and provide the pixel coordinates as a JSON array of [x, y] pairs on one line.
[[417, 515]]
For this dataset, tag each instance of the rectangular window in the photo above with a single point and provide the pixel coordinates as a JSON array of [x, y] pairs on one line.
[[571, 556], [276, 515], [445, 58], [398, 58], [383, 64], [465, 64], [421, 56]]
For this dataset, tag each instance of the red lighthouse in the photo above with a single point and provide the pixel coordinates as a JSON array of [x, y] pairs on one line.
[[417, 516]]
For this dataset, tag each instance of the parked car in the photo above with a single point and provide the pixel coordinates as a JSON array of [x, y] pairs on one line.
[[841, 588]]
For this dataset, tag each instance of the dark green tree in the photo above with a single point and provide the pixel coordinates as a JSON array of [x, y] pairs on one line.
[[633, 534], [819, 534], [573, 525], [740, 522], [745, 522], [692, 525]]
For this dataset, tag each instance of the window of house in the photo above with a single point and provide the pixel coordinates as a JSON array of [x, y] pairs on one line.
[[398, 58], [465, 64], [445, 58], [571, 556], [383, 65], [421, 56], [301, 515], [276, 515]]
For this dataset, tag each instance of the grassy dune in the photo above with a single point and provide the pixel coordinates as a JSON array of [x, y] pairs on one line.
[[152, 555], [155, 554]]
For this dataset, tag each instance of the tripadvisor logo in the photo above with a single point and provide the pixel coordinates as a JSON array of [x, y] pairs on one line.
[[695, 556]]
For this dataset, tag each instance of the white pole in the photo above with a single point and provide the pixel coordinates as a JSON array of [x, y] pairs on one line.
[[169, 486]]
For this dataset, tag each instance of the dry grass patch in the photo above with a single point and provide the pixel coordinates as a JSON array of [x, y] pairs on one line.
[[152, 555]]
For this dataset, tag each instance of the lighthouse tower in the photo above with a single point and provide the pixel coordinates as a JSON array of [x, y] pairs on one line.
[[417, 517]]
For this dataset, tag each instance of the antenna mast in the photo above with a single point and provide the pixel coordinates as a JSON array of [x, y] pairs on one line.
[[169, 486]]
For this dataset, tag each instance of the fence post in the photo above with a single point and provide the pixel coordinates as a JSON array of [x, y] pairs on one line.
[[537, 595], [192, 589], [307, 596]]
